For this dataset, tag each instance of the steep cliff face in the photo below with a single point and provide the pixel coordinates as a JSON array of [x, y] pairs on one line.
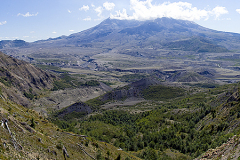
[[21, 81]]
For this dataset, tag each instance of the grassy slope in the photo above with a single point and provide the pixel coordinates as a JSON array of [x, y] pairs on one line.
[[52, 138]]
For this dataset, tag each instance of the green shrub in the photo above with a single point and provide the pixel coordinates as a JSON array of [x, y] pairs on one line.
[[28, 95], [33, 124], [59, 145], [7, 82]]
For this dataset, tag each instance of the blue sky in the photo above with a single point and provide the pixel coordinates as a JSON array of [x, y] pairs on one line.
[[33, 20]]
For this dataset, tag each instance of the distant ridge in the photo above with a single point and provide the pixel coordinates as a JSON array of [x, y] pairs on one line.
[[163, 32]]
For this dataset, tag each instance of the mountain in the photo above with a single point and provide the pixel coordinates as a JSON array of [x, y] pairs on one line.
[[21, 81], [129, 44], [112, 33], [178, 117], [14, 43]]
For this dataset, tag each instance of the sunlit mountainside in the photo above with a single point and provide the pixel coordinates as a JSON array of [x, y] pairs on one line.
[[124, 89]]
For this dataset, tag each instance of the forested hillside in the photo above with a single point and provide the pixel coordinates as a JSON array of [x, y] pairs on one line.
[[173, 123]]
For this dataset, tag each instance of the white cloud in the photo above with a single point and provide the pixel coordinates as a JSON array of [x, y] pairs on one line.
[[87, 19], [145, 10], [85, 8], [218, 11], [25, 36], [32, 32], [54, 32], [27, 14], [108, 6], [69, 11], [71, 30], [121, 15], [99, 10], [238, 10], [2, 23]]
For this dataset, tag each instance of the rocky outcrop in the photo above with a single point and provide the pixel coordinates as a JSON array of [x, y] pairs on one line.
[[228, 150]]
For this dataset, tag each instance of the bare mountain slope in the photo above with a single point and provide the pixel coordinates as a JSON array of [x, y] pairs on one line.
[[111, 33], [161, 33], [18, 78]]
